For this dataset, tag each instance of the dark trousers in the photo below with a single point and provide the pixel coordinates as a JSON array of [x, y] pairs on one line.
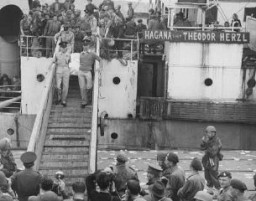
[[211, 177]]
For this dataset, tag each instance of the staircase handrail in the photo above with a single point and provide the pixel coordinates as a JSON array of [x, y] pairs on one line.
[[6, 103], [37, 136], [93, 140]]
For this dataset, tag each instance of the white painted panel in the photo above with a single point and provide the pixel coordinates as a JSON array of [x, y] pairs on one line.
[[31, 88], [228, 55], [184, 54], [188, 70], [188, 84], [118, 100]]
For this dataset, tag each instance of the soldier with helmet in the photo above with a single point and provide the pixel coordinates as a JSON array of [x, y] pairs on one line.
[[27, 182], [211, 144]]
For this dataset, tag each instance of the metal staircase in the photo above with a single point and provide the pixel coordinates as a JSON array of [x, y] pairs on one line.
[[67, 141]]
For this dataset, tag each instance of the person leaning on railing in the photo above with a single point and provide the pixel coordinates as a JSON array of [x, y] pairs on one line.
[[52, 27]]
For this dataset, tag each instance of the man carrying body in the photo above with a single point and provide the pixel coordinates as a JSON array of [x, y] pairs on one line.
[[62, 60], [87, 59], [211, 144], [52, 27], [27, 182]]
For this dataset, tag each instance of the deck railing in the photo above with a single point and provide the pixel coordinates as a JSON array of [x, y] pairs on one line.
[[35, 46], [10, 97], [94, 125]]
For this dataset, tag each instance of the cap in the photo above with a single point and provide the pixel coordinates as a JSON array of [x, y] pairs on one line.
[[203, 196], [154, 169], [5, 144], [59, 172], [225, 174], [196, 164], [210, 129], [158, 189], [121, 158], [49, 195], [28, 157], [237, 184], [139, 20], [172, 157], [161, 156], [63, 44]]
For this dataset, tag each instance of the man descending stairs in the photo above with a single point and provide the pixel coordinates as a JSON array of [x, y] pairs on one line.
[[67, 140]]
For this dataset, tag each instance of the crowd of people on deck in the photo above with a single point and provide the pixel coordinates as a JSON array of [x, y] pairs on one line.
[[166, 180]]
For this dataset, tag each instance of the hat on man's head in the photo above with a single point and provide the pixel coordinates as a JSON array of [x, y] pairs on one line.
[[172, 157], [158, 189], [210, 129], [154, 169], [28, 157], [139, 20], [63, 44], [161, 156], [121, 158], [237, 184], [203, 196], [225, 174], [69, 12], [196, 164]]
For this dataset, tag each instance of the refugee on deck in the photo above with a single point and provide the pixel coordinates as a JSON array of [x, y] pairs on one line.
[[66, 36], [194, 183], [180, 21], [236, 23], [130, 30], [132, 192], [157, 193], [211, 144], [237, 190], [177, 177], [140, 28], [46, 192], [62, 60], [27, 182], [56, 7], [92, 21], [123, 173], [90, 7], [8, 165], [87, 59], [25, 25], [52, 27], [108, 3], [130, 12], [119, 13], [224, 193]]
